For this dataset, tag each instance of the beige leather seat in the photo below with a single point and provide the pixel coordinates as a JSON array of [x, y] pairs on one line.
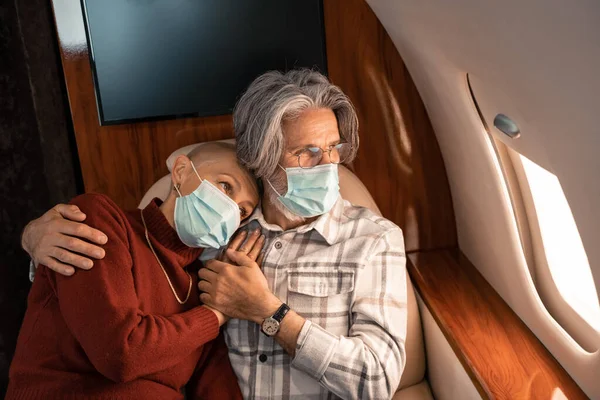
[[413, 385]]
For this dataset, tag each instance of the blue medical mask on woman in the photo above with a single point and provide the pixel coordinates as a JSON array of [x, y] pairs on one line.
[[311, 191], [207, 217]]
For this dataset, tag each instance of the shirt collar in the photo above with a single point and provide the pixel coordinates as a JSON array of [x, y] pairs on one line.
[[327, 225]]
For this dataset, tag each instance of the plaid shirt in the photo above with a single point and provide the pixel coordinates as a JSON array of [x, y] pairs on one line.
[[345, 273]]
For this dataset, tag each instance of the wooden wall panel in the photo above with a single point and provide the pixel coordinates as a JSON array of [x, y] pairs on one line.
[[399, 159], [504, 359], [122, 161]]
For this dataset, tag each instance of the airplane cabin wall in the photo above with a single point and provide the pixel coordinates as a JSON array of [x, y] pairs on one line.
[[537, 62], [399, 160]]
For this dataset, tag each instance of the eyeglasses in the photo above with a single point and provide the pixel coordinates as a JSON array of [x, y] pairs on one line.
[[311, 156]]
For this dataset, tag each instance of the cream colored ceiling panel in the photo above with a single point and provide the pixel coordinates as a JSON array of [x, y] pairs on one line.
[[538, 62]]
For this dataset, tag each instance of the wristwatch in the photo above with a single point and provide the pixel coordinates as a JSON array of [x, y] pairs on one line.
[[270, 326]]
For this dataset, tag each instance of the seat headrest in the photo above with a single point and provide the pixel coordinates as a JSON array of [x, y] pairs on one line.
[[351, 188]]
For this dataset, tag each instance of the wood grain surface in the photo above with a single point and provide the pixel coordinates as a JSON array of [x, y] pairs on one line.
[[504, 359], [122, 161], [399, 160]]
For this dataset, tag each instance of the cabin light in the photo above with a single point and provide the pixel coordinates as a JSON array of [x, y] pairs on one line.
[[507, 126]]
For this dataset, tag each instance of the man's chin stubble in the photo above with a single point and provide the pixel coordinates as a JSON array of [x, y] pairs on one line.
[[274, 200]]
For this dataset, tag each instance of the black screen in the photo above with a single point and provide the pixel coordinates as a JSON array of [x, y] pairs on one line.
[[171, 58]]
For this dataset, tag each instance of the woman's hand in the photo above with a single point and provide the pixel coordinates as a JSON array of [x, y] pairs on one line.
[[220, 316], [241, 252], [249, 243], [55, 240]]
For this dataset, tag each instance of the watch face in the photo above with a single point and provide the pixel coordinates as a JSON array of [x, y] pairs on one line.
[[270, 326]]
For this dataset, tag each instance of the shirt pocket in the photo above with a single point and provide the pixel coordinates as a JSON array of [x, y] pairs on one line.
[[323, 296]]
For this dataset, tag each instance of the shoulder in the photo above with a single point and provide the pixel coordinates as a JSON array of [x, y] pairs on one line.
[[375, 235], [366, 221], [94, 201], [368, 230], [101, 212]]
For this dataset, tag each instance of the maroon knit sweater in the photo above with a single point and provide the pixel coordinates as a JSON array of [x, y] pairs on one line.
[[117, 331]]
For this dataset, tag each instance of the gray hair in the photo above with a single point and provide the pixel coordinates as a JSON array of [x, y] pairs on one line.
[[274, 98]]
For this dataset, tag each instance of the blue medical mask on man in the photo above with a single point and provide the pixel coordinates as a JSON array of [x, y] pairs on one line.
[[207, 217], [311, 191]]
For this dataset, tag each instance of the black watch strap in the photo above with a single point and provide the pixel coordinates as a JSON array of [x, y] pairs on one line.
[[281, 312]]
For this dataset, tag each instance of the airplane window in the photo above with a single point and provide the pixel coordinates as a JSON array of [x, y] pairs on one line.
[[564, 251], [551, 243]]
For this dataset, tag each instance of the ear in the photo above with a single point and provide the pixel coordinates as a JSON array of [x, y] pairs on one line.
[[178, 172]]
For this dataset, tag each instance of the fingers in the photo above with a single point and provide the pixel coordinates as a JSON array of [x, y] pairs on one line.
[[238, 240], [206, 298], [240, 258], [74, 244], [61, 243], [207, 275], [254, 253], [234, 244], [69, 211], [57, 266], [83, 231], [260, 259], [249, 244], [67, 257], [215, 265], [205, 286], [221, 255]]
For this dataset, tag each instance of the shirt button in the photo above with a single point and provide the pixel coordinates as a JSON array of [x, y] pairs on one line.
[[262, 358], [278, 245]]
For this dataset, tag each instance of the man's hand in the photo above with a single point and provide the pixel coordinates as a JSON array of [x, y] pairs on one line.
[[55, 238], [239, 291]]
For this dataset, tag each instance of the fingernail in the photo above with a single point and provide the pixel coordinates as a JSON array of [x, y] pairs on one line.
[[262, 237], [89, 264], [103, 239], [244, 233], [99, 254], [69, 271]]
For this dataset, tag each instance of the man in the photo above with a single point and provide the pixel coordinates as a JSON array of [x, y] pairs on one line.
[[339, 268]]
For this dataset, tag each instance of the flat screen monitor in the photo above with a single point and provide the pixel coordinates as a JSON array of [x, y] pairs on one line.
[[160, 59]]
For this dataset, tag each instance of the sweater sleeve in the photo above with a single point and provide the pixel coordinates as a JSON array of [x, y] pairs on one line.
[[214, 377], [100, 307]]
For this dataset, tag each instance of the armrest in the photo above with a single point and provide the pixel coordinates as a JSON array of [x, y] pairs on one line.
[[503, 358]]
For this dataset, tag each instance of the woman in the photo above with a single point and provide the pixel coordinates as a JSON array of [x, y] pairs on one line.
[[133, 326]]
